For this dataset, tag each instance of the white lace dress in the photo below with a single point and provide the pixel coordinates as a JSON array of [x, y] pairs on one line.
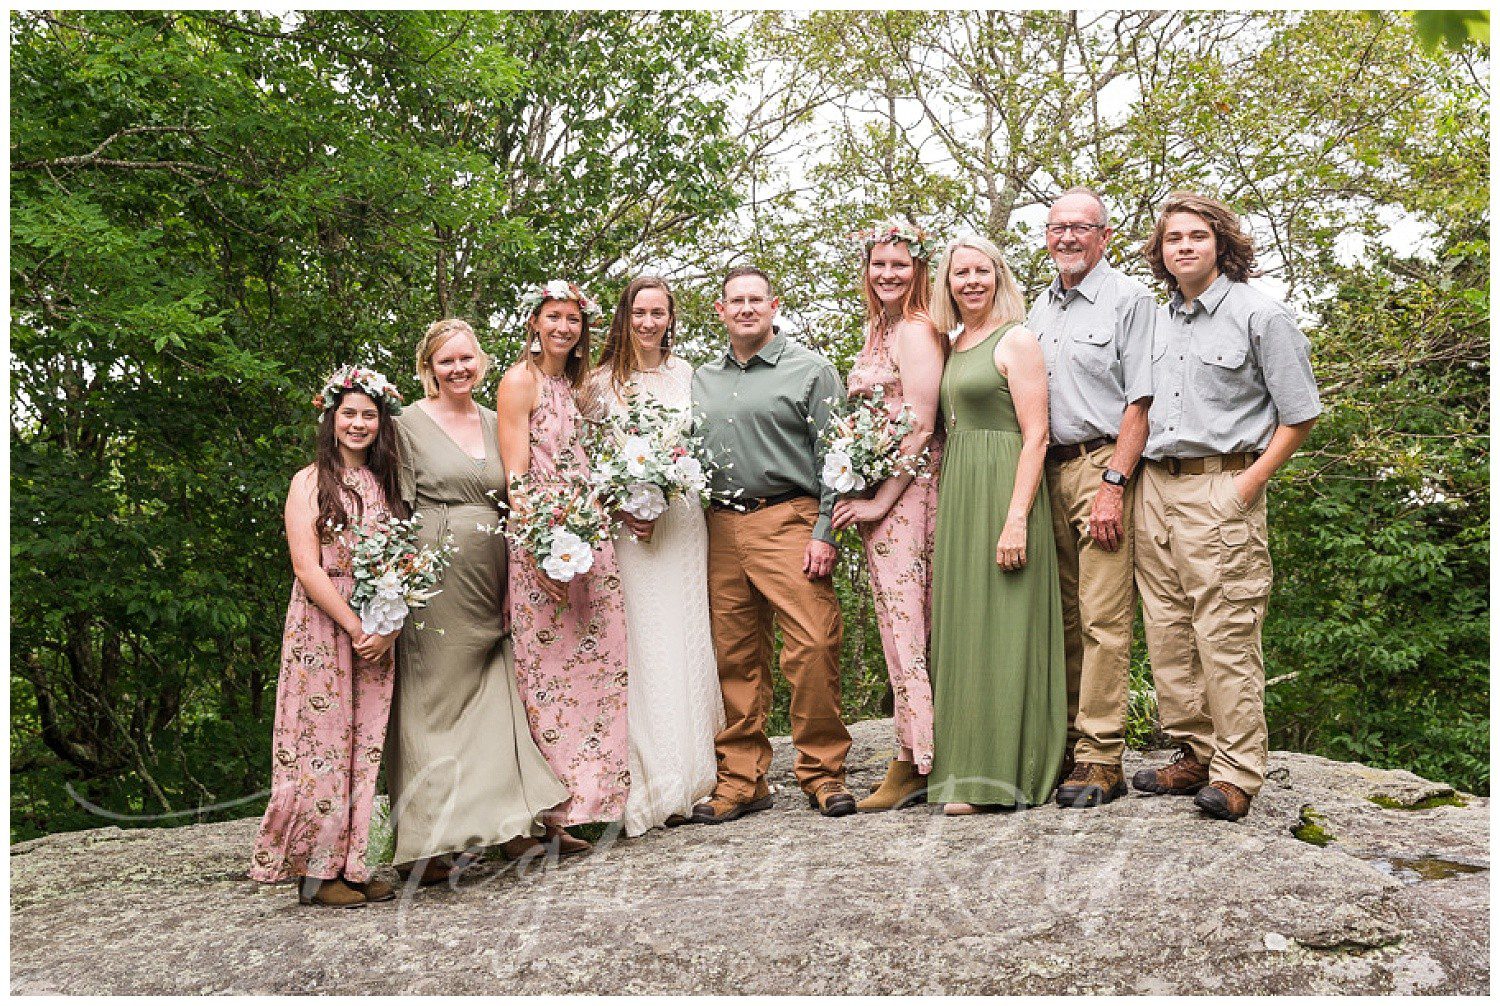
[[675, 706]]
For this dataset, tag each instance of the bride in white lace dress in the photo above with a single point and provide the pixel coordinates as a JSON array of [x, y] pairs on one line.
[[674, 706]]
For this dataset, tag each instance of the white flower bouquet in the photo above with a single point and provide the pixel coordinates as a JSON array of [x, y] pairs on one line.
[[557, 524], [394, 573], [863, 444], [646, 457]]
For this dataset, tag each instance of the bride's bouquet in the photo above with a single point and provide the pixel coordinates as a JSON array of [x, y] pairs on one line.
[[863, 444], [646, 457], [557, 524], [394, 573]]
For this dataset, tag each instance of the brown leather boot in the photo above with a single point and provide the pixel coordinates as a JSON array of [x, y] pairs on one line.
[[1223, 800], [1185, 776], [831, 799], [901, 786], [1092, 785], [374, 890], [328, 893]]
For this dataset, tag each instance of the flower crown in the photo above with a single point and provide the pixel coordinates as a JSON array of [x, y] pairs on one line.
[[351, 378], [560, 289], [918, 241]]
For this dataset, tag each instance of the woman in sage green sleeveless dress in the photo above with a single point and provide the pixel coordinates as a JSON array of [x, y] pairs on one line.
[[997, 640], [462, 768]]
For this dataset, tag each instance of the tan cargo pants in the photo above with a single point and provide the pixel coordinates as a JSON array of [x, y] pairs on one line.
[[1203, 565], [1098, 606]]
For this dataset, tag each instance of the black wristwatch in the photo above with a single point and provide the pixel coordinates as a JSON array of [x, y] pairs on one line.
[[1114, 478]]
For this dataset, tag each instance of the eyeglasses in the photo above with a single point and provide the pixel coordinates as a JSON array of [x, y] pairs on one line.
[[1082, 230]]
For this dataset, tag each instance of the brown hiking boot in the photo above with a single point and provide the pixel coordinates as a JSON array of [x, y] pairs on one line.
[[1092, 785], [901, 786], [328, 893], [374, 890], [1223, 800], [719, 809], [1185, 776], [831, 799]]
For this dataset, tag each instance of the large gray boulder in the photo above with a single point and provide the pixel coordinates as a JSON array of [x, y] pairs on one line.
[[1143, 896]]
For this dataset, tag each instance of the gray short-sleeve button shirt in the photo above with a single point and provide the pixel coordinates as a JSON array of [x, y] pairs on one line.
[[1097, 341], [1226, 373]]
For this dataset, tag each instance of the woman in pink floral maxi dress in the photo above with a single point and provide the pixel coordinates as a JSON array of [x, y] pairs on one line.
[[897, 521], [334, 692], [571, 656]]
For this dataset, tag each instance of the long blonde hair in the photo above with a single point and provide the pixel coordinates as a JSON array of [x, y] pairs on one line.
[[1008, 305]]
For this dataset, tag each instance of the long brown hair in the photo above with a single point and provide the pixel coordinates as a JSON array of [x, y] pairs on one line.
[[915, 306], [383, 458], [1235, 250], [577, 363], [622, 353]]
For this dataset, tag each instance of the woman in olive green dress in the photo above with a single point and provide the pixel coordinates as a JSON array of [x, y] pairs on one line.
[[462, 768], [1001, 705]]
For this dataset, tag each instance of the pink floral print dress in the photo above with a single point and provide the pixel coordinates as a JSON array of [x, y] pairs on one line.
[[898, 551], [571, 660], [331, 711]]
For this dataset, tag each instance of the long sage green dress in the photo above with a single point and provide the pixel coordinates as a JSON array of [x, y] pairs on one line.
[[1001, 705], [462, 768]]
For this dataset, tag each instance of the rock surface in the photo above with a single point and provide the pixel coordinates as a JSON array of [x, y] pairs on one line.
[[1143, 896]]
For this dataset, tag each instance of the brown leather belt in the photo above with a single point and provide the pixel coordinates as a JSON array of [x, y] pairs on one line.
[[1067, 452], [1236, 462], [761, 502]]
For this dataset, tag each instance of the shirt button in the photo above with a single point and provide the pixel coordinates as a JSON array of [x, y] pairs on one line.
[[731, 419]]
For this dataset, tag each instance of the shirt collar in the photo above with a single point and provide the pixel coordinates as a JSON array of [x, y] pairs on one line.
[[1209, 300], [770, 353], [1089, 288]]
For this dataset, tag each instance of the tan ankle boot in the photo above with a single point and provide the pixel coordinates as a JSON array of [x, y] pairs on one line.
[[328, 893], [901, 786]]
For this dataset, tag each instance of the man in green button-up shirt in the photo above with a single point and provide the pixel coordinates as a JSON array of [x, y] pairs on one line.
[[762, 408]]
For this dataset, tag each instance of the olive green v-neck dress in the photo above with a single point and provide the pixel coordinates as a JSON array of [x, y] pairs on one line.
[[1001, 705], [462, 768]]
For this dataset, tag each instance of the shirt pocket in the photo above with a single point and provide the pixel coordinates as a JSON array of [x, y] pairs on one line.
[[1223, 374], [1094, 350]]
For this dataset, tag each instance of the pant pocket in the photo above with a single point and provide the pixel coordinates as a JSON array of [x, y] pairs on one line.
[[1244, 564]]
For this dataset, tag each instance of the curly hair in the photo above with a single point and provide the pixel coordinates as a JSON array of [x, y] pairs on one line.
[[1235, 250]]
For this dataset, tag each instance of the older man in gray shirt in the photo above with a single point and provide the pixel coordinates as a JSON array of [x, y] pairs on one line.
[[1235, 398], [1094, 325]]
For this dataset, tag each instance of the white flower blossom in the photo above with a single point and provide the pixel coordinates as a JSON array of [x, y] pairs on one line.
[[637, 456], [839, 474], [687, 472], [644, 501], [569, 557]]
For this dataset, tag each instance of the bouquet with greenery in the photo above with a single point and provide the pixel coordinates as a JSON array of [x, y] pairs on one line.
[[394, 573], [556, 523], [863, 444], [646, 457]]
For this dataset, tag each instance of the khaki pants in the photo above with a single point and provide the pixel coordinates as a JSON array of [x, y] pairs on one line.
[[1098, 607], [1203, 565], [755, 571]]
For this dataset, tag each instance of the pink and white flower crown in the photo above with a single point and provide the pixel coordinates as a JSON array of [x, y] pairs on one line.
[[354, 378], [561, 289], [919, 242]]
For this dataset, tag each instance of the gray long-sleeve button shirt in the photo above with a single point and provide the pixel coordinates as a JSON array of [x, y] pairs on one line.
[[1097, 341], [1227, 373], [767, 417]]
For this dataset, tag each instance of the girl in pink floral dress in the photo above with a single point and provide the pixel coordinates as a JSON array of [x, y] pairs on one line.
[[903, 355], [571, 656], [334, 693]]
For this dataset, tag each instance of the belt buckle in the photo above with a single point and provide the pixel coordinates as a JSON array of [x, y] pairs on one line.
[[1174, 466]]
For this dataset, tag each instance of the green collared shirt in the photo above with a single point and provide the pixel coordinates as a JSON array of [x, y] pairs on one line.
[[763, 422]]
